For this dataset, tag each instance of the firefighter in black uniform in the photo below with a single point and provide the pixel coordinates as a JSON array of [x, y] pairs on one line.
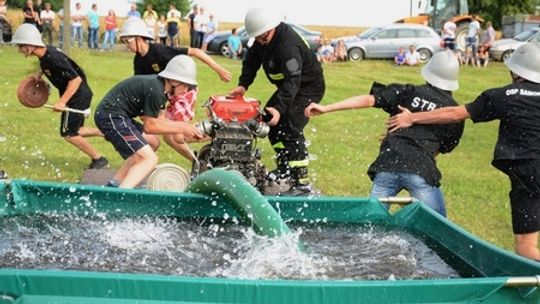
[[517, 153], [406, 159], [72, 86], [289, 64], [152, 58]]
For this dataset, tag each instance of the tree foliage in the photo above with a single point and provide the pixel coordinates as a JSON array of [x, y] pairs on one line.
[[162, 6], [55, 4], [494, 10]]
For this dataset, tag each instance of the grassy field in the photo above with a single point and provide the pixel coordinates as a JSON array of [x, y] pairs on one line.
[[342, 145]]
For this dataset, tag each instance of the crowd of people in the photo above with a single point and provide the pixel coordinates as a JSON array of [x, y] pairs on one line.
[[477, 42], [425, 119], [164, 27]]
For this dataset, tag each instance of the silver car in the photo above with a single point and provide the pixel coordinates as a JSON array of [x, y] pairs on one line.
[[503, 49], [384, 42]]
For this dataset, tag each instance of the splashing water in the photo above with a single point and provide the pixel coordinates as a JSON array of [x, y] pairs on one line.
[[213, 249]]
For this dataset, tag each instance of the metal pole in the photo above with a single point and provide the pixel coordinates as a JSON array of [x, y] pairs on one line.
[[66, 39], [523, 281], [397, 200]]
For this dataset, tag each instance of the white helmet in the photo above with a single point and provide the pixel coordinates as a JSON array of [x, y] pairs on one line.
[[135, 27], [259, 20], [442, 71], [181, 68], [27, 34], [525, 62]]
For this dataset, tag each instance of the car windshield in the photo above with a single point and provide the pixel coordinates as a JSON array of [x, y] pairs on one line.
[[525, 35], [368, 33]]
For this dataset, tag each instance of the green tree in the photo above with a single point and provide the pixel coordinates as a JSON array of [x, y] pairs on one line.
[[494, 10], [162, 6], [55, 4]]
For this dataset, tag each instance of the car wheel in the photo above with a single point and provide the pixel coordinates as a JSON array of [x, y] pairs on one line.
[[355, 54], [506, 55], [461, 33], [425, 54], [224, 49]]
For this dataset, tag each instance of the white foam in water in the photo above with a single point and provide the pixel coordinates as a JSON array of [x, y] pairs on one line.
[[271, 258], [213, 249]]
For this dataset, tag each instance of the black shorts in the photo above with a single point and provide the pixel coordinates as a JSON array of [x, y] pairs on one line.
[[70, 123], [124, 133], [524, 194]]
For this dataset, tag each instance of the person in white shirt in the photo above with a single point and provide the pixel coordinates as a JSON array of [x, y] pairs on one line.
[[471, 40], [211, 29], [77, 18], [412, 57], [449, 35], [47, 17], [200, 21]]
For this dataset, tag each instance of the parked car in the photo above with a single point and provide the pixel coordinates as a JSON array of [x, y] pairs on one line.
[[503, 49], [384, 42], [219, 43]]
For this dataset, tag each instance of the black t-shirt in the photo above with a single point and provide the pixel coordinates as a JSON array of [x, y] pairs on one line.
[[517, 106], [156, 59], [413, 150], [27, 11], [60, 69], [289, 64], [141, 95]]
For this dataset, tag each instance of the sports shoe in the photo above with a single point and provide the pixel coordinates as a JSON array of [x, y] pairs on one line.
[[300, 190], [98, 163], [279, 175]]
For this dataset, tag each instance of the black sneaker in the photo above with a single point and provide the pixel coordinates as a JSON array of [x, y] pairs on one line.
[[98, 163], [300, 190]]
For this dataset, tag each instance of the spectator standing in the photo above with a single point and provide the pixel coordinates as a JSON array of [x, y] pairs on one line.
[[471, 40], [30, 15], [93, 27], [211, 29], [406, 158], [162, 29], [449, 34], [412, 57], [191, 23], [111, 24], [3, 17], [47, 17], [293, 68], [340, 52], [77, 18], [38, 7], [60, 15], [173, 25], [133, 12], [201, 20], [151, 22], [150, 10], [517, 151], [489, 35], [235, 45], [74, 92]]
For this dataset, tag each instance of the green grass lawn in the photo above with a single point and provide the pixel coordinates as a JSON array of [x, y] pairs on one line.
[[342, 144]]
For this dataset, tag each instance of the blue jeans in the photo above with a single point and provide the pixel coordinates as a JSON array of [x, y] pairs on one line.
[[387, 184], [93, 38], [110, 36], [76, 34]]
